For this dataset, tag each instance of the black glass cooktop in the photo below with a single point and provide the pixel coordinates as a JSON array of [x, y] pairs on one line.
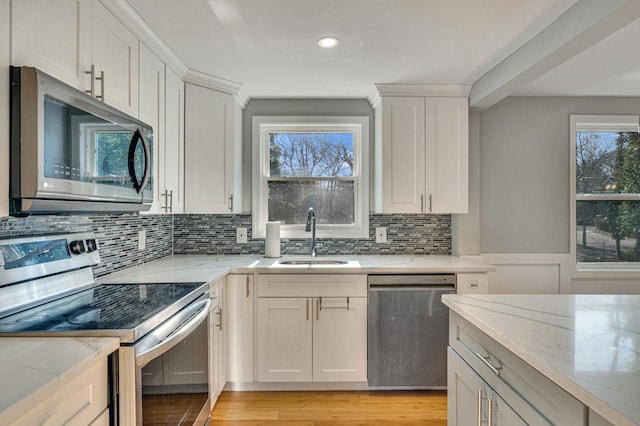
[[104, 307]]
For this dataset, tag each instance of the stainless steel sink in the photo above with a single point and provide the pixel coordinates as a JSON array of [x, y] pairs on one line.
[[312, 261]]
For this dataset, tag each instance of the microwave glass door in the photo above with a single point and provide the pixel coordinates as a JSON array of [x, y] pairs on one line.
[[82, 147]]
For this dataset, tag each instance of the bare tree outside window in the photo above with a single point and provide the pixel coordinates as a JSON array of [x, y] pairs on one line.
[[311, 169]]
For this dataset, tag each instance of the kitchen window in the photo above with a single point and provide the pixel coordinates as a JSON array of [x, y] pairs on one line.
[[319, 162], [606, 193]]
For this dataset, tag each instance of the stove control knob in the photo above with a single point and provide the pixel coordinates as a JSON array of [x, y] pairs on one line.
[[92, 244], [77, 247]]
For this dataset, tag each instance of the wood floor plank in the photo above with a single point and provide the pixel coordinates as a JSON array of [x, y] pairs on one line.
[[343, 408]]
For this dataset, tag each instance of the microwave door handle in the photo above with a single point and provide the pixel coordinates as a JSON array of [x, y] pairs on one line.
[[138, 136]]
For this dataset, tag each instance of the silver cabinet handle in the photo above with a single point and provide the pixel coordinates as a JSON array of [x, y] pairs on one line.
[[92, 86], [307, 309], [220, 319], [479, 414], [101, 78], [489, 408], [165, 195], [318, 302], [430, 203], [485, 360], [422, 203], [247, 285], [231, 202], [171, 201], [219, 324]]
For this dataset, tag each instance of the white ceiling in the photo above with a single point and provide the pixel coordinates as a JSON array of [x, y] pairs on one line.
[[269, 46]]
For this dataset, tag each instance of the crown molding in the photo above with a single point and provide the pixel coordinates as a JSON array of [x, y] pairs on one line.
[[391, 89], [134, 23], [217, 83]]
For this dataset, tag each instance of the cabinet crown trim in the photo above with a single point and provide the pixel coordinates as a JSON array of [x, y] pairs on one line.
[[389, 89], [218, 83]]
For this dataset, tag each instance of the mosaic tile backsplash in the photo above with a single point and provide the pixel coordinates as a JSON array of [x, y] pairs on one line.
[[116, 234], [406, 234], [216, 234]]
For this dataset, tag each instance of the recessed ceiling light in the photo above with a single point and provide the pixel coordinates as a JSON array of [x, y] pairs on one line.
[[328, 42]]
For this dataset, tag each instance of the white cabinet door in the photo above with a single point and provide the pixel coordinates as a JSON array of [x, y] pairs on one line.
[[472, 402], [447, 166], [5, 61], [240, 297], [284, 340], [209, 150], [114, 51], [152, 112], [425, 155], [214, 361], [79, 402], [403, 154], [340, 339], [173, 163], [223, 335], [53, 36]]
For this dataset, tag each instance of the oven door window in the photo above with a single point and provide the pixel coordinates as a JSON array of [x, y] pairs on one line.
[[175, 385]]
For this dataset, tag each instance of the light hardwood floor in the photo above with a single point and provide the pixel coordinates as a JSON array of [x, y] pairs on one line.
[[426, 408]]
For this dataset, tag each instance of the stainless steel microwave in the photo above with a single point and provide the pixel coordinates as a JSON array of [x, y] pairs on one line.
[[71, 153]]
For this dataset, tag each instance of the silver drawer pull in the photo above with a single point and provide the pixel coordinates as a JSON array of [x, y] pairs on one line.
[[485, 360]]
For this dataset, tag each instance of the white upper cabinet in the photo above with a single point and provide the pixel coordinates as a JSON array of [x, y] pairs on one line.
[[171, 182], [447, 164], [152, 112], [69, 38], [209, 151], [423, 145], [53, 36], [162, 106], [403, 155], [114, 56]]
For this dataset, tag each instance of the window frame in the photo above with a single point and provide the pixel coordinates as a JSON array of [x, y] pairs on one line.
[[597, 123], [262, 126]]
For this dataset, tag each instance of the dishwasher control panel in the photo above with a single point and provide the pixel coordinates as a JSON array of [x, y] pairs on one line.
[[413, 279]]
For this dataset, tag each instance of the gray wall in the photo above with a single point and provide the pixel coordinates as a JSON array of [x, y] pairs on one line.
[[524, 170], [300, 107]]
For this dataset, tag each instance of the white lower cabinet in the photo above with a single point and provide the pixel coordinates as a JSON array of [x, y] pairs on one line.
[[476, 403], [83, 401], [239, 324], [319, 334], [489, 385], [217, 343], [340, 339]]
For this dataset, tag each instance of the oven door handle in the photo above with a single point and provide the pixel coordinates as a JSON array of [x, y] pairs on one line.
[[172, 332]]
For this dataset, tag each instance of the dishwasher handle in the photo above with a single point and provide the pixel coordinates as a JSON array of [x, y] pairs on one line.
[[409, 287]]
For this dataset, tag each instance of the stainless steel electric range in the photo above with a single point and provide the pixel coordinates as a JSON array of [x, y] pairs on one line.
[[160, 372]]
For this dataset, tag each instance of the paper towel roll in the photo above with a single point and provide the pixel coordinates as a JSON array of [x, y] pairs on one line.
[[272, 242]]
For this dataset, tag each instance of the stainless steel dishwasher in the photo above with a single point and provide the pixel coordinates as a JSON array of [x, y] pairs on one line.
[[408, 330]]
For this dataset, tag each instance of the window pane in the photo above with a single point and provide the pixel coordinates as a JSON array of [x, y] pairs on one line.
[[311, 154], [607, 162], [332, 200], [607, 231]]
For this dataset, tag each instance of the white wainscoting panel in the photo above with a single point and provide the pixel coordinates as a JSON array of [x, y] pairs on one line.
[[535, 273]]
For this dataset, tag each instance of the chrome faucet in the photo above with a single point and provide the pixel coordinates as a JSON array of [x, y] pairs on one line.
[[311, 227]]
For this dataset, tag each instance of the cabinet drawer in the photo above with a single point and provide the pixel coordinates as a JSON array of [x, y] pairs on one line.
[[312, 285], [78, 403], [513, 374]]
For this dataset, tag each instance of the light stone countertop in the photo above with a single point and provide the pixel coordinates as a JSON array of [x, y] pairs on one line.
[[192, 268], [587, 344], [33, 369]]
